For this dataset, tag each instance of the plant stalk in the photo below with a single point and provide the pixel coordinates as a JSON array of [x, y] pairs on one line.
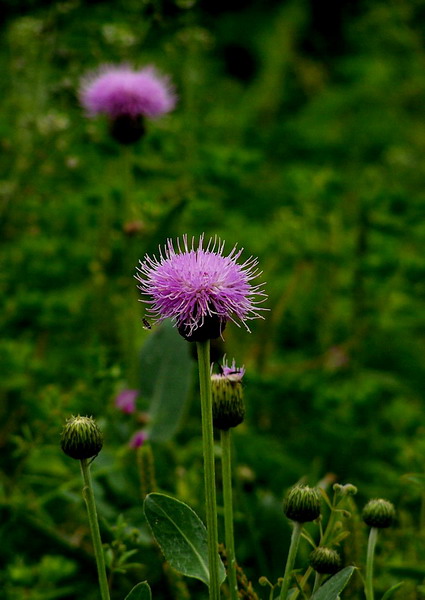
[[203, 349], [317, 582], [373, 536], [88, 496], [293, 549], [226, 464]]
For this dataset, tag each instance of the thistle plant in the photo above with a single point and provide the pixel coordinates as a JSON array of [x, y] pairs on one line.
[[228, 412], [324, 561], [82, 440], [128, 97], [301, 505], [378, 514], [201, 289]]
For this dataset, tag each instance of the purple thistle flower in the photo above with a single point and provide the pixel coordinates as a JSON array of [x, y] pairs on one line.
[[138, 439], [199, 288], [126, 401], [121, 91], [233, 373]]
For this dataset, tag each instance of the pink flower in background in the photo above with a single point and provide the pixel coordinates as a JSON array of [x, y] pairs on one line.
[[126, 401], [138, 439], [198, 286], [122, 91]]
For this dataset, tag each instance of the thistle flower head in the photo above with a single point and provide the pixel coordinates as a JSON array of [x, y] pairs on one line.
[[121, 90], [378, 513], [227, 396], [199, 288], [81, 438], [126, 401], [325, 560], [302, 504]]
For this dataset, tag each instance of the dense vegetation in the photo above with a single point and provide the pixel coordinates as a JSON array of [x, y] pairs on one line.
[[299, 137]]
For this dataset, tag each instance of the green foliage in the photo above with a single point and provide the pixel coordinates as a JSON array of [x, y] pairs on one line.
[[389, 593], [181, 535], [140, 592], [334, 586], [166, 374]]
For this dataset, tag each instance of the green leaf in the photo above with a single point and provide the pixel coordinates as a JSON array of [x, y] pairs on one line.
[[166, 371], [391, 591], [141, 591], [334, 586], [181, 535]]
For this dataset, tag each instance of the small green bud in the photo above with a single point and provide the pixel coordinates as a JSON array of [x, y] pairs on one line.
[[81, 438], [378, 513], [263, 581], [227, 397], [345, 490], [302, 504], [325, 560]]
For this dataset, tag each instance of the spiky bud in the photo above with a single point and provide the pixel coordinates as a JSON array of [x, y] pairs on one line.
[[227, 397], [325, 560], [302, 504], [378, 513], [81, 438]]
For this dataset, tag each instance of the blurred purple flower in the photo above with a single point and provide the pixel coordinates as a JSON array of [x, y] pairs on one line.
[[120, 90], [126, 401], [198, 286], [138, 439]]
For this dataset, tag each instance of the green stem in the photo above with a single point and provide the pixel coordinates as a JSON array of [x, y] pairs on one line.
[[209, 467], [317, 581], [373, 536], [293, 548], [88, 496], [226, 464]]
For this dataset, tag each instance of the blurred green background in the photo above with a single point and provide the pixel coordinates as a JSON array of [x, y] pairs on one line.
[[299, 134]]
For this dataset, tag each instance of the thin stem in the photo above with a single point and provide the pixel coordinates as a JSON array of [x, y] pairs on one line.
[[209, 467], [226, 464], [293, 548], [302, 583], [88, 496], [373, 536], [317, 581]]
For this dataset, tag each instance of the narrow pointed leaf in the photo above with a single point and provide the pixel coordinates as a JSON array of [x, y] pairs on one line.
[[141, 591], [391, 591], [181, 536], [334, 586]]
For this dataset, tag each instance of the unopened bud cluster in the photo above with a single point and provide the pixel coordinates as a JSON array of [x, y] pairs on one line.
[[81, 438], [302, 504], [345, 490], [378, 513], [325, 560], [227, 397]]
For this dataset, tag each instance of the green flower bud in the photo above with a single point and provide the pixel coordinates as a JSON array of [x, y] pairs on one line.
[[302, 504], [81, 438], [227, 397], [325, 560], [378, 513], [345, 490]]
